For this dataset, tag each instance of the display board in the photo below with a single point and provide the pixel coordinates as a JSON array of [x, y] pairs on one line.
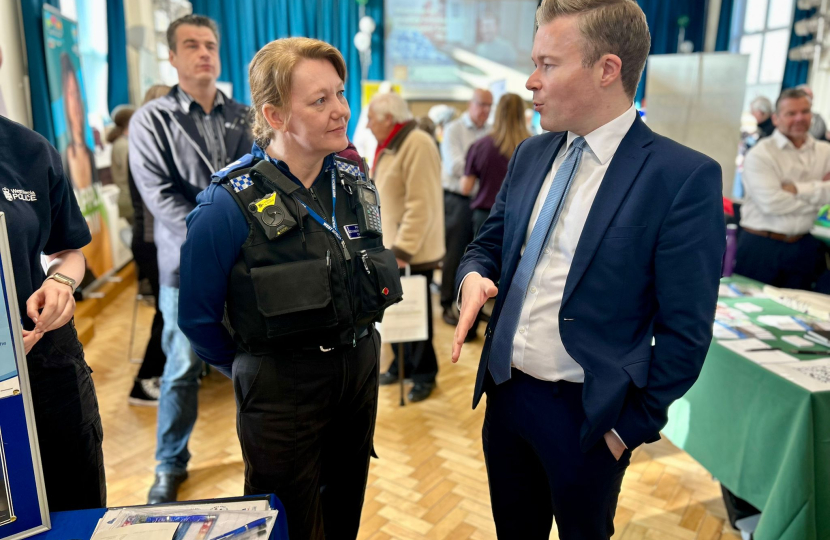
[[23, 510], [74, 137], [696, 100]]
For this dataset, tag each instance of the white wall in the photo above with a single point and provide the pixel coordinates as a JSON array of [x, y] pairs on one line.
[[14, 80], [142, 66]]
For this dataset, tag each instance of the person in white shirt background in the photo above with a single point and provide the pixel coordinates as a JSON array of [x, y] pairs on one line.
[[786, 183], [459, 135]]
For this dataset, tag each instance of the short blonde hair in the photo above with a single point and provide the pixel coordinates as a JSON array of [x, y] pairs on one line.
[[392, 104], [270, 75], [608, 27]]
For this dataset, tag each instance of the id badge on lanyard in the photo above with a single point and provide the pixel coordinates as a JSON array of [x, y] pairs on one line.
[[331, 227]]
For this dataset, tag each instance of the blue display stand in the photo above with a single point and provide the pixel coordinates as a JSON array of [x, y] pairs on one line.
[[23, 510]]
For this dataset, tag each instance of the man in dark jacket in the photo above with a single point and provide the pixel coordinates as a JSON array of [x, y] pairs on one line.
[[176, 143]]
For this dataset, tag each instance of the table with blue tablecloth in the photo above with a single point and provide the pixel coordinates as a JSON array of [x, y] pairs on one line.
[[80, 524]]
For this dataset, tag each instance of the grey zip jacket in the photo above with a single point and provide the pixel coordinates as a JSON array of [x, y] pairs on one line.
[[170, 164]]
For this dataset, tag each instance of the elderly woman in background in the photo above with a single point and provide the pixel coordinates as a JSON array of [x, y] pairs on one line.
[[407, 171]]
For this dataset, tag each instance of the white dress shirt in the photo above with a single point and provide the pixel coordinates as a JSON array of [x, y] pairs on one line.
[[773, 162], [459, 136], [537, 345]]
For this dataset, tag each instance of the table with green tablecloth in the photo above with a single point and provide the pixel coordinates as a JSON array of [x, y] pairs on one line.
[[766, 438]]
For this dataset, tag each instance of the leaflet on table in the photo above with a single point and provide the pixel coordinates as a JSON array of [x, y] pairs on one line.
[[811, 303], [740, 330], [145, 531], [813, 375], [798, 341], [747, 349], [248, 505], [198, 524], [748, 307], [738, 290], [785, 322]]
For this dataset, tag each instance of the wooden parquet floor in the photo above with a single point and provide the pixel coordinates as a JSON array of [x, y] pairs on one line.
[[430, 482]]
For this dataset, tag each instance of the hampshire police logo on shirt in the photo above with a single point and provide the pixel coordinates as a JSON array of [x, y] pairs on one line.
[[20, 194]]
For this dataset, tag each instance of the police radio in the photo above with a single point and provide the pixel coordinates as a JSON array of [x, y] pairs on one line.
[[368, 209], [365, 198]]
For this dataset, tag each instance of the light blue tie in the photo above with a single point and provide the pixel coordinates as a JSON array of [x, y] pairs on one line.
[[501, 351]]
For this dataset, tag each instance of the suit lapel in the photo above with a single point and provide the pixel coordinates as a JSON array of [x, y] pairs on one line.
[[620, 176]]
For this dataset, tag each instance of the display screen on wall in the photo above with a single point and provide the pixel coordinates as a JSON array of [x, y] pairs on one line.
[[444, 44]]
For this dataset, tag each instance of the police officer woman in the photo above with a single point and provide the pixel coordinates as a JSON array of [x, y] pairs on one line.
[[286, 246]]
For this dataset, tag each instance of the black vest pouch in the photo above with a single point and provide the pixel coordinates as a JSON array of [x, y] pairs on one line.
[[377, 283], [294, 297]]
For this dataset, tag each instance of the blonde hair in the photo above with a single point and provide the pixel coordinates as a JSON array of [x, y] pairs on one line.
[[156, 91], [608, 26], [271, 72], [509, 127]]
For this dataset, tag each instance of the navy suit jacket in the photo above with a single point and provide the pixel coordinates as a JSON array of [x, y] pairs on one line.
[[639, 300]]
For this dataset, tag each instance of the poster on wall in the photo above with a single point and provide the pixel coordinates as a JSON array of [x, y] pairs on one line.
[[23, 510], [73, 135]]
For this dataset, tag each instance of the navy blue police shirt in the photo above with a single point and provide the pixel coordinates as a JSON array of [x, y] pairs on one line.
[[42, 215], [216, 231]]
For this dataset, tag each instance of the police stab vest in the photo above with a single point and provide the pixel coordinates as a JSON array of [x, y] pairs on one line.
[[296, 283]]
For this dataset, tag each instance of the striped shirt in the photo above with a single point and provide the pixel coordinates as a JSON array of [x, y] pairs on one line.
[[211, 126]]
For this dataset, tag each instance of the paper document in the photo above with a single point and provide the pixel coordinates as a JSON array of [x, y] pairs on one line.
[[406, 321], [799, 342], [814, 375], [724, 331], [748, 307], [782, 322], [745, 347], [201, 524], [753, 330], [725, 292], [145, 531]]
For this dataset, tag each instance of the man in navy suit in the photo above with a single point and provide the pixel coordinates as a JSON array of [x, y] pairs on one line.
[[603, 252]]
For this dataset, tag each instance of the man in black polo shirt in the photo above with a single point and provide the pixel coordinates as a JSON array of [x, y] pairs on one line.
[[176, 143]]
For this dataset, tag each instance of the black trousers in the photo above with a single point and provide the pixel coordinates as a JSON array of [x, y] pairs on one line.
[[145, 255], [480, 215], [458, 227], [536, 469], [794, 266], [69, 427], [306, 420], [419, 360]]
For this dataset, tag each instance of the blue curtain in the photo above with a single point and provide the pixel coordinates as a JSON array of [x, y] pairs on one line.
[[32, 14], [796, 73], [662, 17], [724, 25], [248, 25], [118, 92]]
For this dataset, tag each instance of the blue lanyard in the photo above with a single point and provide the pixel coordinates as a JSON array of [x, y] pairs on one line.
[[332, 228]]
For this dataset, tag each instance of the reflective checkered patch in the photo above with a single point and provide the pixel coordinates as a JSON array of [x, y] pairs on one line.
[[241, 182], [348, 168]]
